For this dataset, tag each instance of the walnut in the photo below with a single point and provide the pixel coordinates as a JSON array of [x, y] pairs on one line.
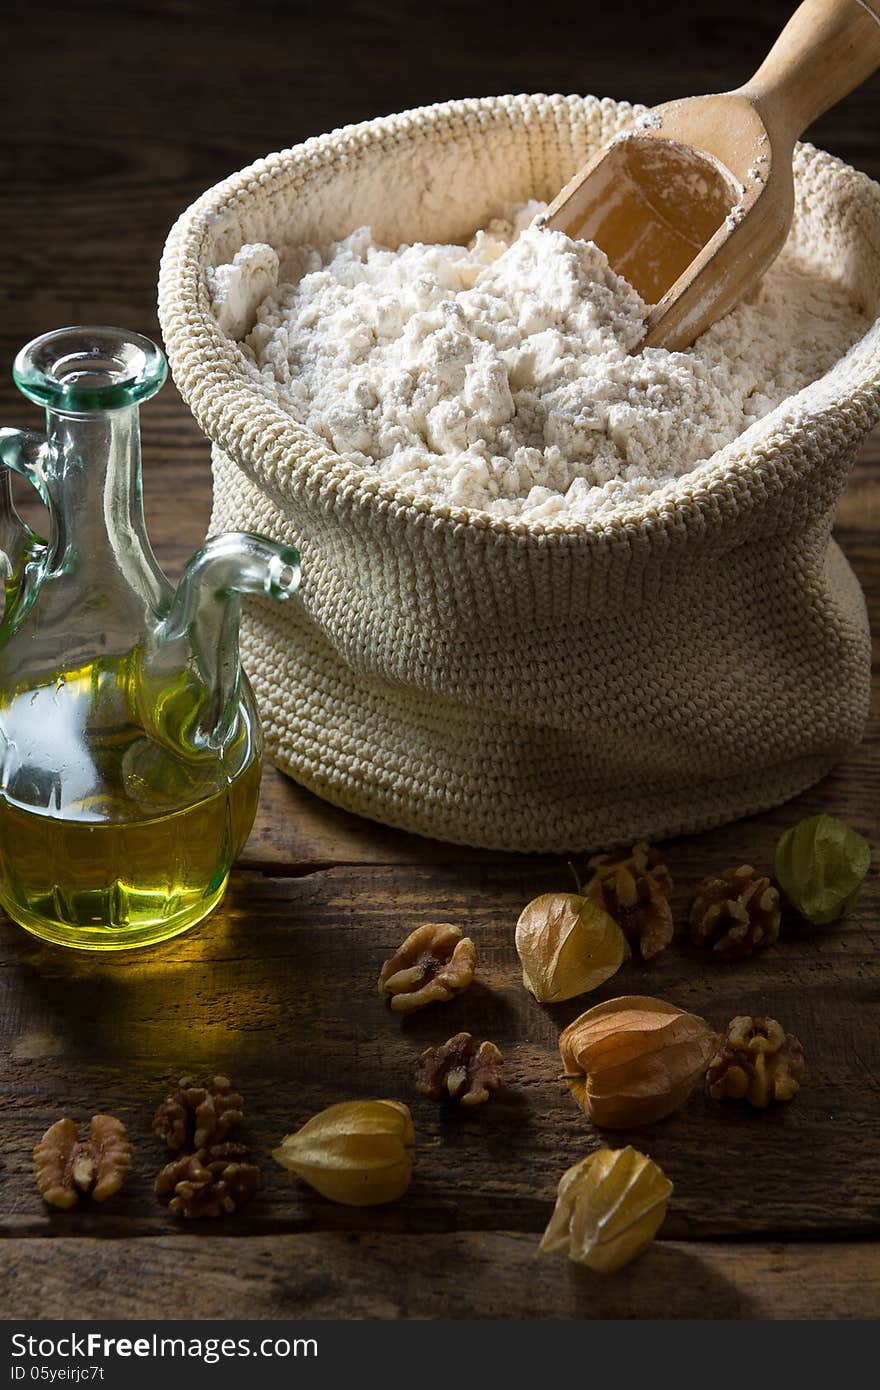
[[210, 1182], [634, 888], [735, 913], [458, 1071], [66, 1167], [758, 1062], [434, 963], [198, 1115]]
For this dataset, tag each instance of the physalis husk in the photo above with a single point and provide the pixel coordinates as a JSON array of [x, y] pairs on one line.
[[821, 865], [609, 1207], [633, 1060], [567, 945], [359, 1152]]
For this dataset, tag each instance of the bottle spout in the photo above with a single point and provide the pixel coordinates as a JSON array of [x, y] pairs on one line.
[[201, 627], [224, 568]]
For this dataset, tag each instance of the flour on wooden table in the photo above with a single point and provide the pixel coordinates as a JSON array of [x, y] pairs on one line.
[[498, 376]]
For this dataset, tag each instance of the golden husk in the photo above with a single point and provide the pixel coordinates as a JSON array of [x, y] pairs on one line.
[[608, 1209], [359, 1152], [567, 945], [633, 1060]]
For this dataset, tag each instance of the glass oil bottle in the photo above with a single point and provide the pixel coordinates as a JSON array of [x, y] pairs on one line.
[[130, 748]]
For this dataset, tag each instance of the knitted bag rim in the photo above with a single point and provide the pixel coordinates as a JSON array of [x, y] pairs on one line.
[[238, 411]]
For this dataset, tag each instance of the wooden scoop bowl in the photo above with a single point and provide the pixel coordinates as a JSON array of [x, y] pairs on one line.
[[694, 203]]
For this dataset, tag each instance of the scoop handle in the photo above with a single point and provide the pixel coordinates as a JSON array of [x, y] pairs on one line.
[[827, 48]]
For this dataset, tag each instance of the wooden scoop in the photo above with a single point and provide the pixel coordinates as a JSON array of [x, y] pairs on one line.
[[695, 202]]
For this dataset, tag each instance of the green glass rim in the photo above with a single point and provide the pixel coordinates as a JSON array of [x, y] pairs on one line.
[[85, 369]]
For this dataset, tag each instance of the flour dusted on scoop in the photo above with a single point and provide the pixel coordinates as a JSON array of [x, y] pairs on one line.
[[498, 376]]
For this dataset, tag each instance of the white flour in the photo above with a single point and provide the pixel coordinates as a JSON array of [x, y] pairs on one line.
[[503, 382]]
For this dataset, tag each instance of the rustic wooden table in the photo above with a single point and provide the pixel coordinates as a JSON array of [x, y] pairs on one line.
[[106, 136]]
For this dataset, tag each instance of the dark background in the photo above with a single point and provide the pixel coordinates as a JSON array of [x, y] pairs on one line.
[[116, 115]]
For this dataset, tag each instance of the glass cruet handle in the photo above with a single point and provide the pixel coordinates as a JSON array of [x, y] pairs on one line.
[[22, 452]]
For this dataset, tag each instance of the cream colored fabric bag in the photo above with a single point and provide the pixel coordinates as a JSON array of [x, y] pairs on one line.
[[702, 656]]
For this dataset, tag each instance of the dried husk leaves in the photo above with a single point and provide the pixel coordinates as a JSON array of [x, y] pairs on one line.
[[821, 864], [609, 1207], [634, 1060], [359, 1152], [567, 945]]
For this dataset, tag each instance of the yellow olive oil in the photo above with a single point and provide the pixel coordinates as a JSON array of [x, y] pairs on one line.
[[129, 836], [102, 885]]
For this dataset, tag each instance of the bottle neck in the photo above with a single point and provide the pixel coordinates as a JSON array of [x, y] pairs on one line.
[[93, 482]]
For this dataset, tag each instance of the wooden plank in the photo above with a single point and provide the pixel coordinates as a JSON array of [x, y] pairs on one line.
[[499, 1275], [278, 990], [296, 830]]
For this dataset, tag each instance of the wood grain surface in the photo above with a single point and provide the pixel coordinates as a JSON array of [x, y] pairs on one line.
[[773, 1215], [467, 1274]]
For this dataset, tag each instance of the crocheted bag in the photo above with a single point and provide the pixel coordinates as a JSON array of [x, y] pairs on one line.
[[699, 657]]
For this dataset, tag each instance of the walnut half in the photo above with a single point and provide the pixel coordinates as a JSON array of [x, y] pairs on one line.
[[67, 1168], [433, 964], [634, 886], [735, 913], [758, 1062], [196, 1115], [459, 1071], [214, 1181]]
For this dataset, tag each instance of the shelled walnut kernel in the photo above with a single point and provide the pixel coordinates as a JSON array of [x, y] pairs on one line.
[[735, 913], [634, 888], [67, 1167], [211, 1182], [758, 1062], [433, 964], [459, 1071], [197, 1115]]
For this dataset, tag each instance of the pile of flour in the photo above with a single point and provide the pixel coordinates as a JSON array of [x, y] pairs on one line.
[[498, 376]]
